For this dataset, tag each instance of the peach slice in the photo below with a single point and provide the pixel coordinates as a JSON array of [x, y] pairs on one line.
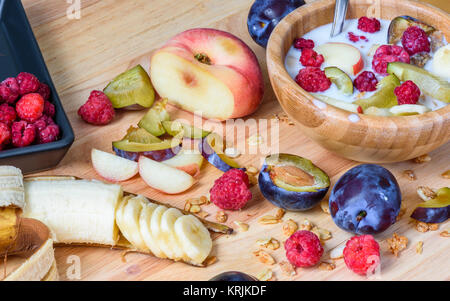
[[113, 168]]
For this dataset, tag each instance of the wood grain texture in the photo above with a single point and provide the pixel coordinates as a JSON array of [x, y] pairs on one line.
[[371, 139], [114, 34]]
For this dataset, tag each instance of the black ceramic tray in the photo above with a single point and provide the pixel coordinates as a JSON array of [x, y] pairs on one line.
[[19, 52]]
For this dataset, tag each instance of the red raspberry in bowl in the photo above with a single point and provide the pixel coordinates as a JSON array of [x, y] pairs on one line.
[[28, 83], [44, 90], [7, 114], [362, 254], [370, 25], [407, 93], [30, 107], [387, 54], [366, 81], [48, 134], [415, 40], [311, 58], [302, 43], [49, 109], [23, 133], [98, 110], [5, 135], [9, 90], [313, 79], [231, 191], [303, 249]]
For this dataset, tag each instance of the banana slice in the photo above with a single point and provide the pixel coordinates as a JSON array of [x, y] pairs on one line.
[[11, 187], [146, 233], [168, 220], [130, 222], [155, 227], [193, 237], [441, 62]]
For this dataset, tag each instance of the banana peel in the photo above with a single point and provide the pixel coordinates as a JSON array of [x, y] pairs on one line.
[[31, 239]]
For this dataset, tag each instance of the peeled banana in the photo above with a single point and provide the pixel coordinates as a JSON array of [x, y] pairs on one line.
[[11, 187]]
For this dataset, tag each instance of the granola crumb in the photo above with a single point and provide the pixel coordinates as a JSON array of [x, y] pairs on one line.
[[243, 227], [422, 159], [397, 243], [327, 266], [265, 275], [306, 225], [269, 220], [426, 193], [446, 174], [410, 175], [203, 214], [252, 170], [425, 227], [323, 234], [280, 213], [195, 209], [210, 260], [289, 227], [325, 206], [419, 247], [445, 233], [264, 257], [221, 217], [269, 243], [287, 268]]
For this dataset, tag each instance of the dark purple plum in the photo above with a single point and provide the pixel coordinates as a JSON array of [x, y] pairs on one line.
[[436, 210], [233, 276], [264, 16], [292, 182], [365, 200], [157, 155], [211, 148]]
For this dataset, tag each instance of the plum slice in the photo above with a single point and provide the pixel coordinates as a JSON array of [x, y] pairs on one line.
[[428, 83], [139, 142], [131, 89], [436, 210], [340, 79], [152, 121], [400, 24], [384, 97], [212, 150], [292, 182], [174, 127]]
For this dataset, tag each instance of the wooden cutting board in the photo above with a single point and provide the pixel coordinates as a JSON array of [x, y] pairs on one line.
[[113, 35]]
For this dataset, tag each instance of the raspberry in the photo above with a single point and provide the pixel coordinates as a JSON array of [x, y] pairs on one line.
[[366, 81], [415, 40], [7, 114], [312, 79], [303, 43], [97, 110], [310, 58], [49, 109], [303, 249], [42, 122], [230, 191], [48, 134], [362, 253], [30, 107], [23, 133], [407, 93], [355, 38], [5, 134], [9, 90], [386, 54], [28, 83], [44, 90], [369, 24]]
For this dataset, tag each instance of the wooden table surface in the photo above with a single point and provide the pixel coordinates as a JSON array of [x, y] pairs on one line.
[[113, 35]]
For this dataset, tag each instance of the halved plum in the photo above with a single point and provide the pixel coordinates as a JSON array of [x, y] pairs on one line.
[[152, 120], [174, 127], [212, 150], [436, 210], [292, 182]]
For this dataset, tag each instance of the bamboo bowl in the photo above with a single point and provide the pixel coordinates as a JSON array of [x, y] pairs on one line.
[[358, 137]]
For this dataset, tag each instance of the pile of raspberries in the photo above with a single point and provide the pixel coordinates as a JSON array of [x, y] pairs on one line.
[[26, 114]]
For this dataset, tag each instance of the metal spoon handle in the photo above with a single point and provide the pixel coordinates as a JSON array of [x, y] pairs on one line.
[[340, 12]]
